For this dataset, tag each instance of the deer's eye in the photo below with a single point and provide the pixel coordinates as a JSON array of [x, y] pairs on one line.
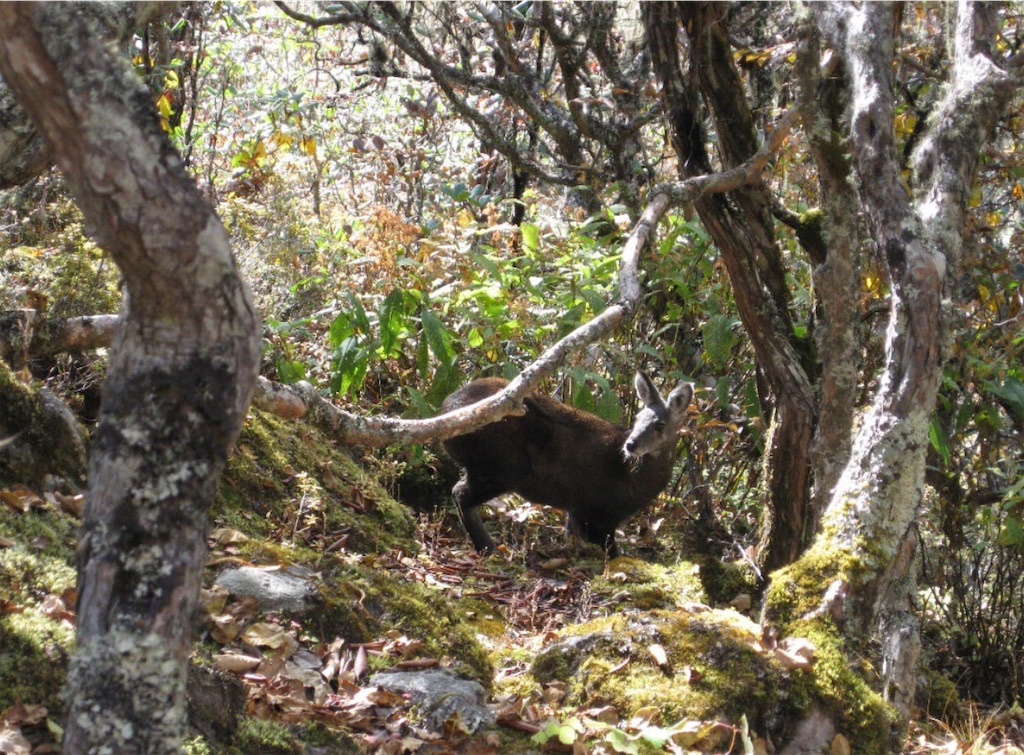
[[659, 426]]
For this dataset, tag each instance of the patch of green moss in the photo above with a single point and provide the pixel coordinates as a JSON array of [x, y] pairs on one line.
[[872, 725], [196, 746], [796, 590], [47, 448], [269, 737], [290, 484], [265, 737], [34, 647], [940, 697], [55, 257], [647, 586], [360, 604], [724, 580], [34, 651], [714, 671]]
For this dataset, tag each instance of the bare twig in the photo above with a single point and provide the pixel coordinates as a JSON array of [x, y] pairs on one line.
[[303, 400], [379, 431]]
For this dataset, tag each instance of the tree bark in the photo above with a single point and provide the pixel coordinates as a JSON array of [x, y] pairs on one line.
[[24, 153], [868, 534], [741, 226], [835, 261], [25, 334], [182, 367]]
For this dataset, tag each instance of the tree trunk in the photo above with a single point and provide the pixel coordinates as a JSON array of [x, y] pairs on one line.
[[24, 153], [868, 533], [741, 225], [181, 372], [834, 249]]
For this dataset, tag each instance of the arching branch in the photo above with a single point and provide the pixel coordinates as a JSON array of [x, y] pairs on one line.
[[302, 400], [379, 431]]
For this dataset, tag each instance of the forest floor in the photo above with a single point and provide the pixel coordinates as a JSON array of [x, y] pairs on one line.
[[400, 591]]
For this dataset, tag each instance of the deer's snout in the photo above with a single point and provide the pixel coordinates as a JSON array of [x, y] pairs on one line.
[[629, 448]]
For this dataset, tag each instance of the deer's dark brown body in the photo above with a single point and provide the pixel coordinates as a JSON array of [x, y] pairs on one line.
[[598, 473]]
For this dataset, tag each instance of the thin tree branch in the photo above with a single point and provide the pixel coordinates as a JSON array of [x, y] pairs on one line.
[[303, 400], [377, 431]]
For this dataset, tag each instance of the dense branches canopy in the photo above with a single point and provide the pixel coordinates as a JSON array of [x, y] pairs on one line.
[[811, 211]]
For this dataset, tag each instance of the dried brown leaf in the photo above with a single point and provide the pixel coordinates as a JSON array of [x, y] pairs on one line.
[[235, 662], [69, 504], [53, 607], [20, 498], [691, 675]]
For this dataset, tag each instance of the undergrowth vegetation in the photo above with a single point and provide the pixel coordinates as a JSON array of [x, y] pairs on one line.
[[379, 241]]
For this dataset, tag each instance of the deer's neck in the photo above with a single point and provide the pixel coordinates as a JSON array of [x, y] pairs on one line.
[[651, 475]]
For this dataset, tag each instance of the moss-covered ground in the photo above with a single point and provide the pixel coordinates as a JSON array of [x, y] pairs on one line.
[[630, 655]]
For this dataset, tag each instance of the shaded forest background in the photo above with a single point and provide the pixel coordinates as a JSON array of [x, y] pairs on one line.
[[400, 239]]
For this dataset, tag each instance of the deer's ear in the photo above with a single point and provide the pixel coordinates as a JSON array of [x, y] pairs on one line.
[[679, 399], [645, 389]]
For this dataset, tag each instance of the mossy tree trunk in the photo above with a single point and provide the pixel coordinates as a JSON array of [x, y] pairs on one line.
[[182, 368], [865, 552]]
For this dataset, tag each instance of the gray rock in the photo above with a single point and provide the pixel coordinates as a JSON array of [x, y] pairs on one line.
[[439, 695], [289, 589]]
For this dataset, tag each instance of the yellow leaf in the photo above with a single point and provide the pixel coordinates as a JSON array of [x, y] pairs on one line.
[[171, 80], [264, 634], [905, 123], [975, 199], [309, 146], [993, 218], [163, 105], [1018, 192], [280, 139]]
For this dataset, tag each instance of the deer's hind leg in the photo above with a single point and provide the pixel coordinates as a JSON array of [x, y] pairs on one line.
[[468, 494]]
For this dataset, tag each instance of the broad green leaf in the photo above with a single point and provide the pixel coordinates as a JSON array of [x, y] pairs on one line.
[[531, 237], [595, 299], [719, 338], [655, 736], [392, 322], [489, 264], [939, 439], [1011, 533], [341, 328], [1011, 391], [622, 742], [290, 371], [438, 337]]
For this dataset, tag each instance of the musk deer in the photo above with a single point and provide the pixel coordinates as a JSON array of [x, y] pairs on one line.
[[598, 473]]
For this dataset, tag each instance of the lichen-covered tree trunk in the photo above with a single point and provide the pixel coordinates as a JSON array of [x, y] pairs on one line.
[[24, 153], [182, 368], [832, 238], [865, 549], [742, 228]]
